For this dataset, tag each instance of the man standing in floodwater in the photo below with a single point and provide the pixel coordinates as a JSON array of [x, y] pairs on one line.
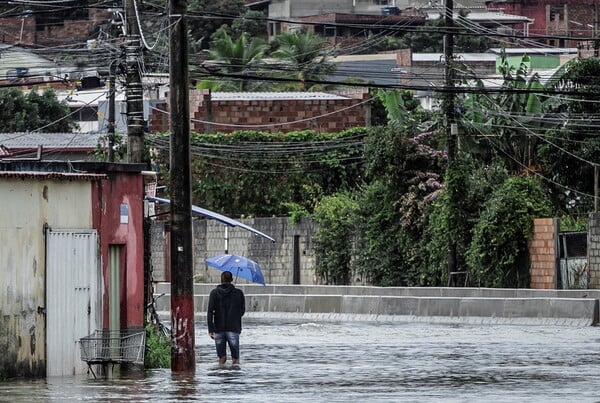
[[226, 306]]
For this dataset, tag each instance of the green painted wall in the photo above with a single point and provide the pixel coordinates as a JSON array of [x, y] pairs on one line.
[[535, 62]]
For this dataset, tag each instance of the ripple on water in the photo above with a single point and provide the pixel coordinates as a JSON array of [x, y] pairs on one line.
[[376, 362]]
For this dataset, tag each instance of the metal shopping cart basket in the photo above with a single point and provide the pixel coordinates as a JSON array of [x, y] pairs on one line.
[[113, 347]]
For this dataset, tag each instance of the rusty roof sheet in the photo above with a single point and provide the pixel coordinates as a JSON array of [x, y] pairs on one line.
[[52, 175]]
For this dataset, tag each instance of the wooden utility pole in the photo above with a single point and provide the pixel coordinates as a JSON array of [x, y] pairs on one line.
[[451, 134], [596, 174], [182, 266], [134, 92]]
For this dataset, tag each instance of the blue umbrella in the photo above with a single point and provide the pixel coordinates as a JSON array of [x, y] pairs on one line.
[[239, 266]]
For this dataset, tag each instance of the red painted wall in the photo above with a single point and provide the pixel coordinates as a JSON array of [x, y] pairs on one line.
[[108, 195]]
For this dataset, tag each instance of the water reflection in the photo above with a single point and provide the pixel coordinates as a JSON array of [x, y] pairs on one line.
[[375, 362]]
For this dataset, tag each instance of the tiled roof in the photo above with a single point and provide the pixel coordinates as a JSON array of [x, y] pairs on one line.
[[79, 141]]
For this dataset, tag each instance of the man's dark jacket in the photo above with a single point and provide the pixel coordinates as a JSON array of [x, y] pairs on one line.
[[226, 306]]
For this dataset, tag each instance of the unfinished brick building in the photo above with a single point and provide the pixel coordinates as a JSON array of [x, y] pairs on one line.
[[226, 112]]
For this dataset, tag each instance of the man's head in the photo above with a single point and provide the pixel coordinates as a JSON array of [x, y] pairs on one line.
[[226, 277]]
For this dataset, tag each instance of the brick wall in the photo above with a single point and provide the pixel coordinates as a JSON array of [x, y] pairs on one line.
[[593, 257], [543, 253], [17, 30], [70, 31], [271, 115], [404, 58]]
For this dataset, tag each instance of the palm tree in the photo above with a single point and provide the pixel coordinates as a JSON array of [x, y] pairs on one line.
[[304, 55], [234, 58]]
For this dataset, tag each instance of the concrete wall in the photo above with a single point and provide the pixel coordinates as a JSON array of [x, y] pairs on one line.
[[276, 259], [594, 251], [451, 305], [284, 9], [314, 7]]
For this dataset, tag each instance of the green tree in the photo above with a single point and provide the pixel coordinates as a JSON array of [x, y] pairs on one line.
[[335, 215], [430, 38], [403, 110], [20, 112], [235, 57], [569, 152], [206, 17], [498, 255], [264, 174], [479, 181], [403, 177], [252, 23], [508, 121], [303, 56]]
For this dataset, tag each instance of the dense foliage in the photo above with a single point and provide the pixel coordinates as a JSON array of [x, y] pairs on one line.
[[429, 38], [297, 61], [249, 173], [403, 177], [336, 215], [380, 194], [206, 17], [21, 112], [497, 256]]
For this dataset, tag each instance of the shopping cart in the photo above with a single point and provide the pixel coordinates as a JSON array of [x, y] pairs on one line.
[[113, 347]]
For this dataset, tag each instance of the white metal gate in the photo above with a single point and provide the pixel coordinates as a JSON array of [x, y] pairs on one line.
[[73, 295]]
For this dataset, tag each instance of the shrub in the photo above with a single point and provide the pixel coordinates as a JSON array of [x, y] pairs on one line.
[[498, 255]]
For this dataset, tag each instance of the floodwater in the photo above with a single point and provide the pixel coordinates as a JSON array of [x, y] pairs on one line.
[[297, 361]]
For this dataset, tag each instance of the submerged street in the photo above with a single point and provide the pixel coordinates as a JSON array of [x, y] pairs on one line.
[[287, 361]]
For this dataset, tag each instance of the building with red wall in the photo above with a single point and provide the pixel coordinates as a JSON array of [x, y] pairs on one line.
[[118, 216], [71, 260], [560, 23], [31, 28]]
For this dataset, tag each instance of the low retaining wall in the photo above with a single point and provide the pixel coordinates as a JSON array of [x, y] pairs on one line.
[[452, 305]]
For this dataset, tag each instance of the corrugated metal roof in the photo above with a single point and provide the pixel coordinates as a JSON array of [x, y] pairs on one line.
[[496, 16], [439, 57], [87, 141], [482, 16], [4, 152], [531, 51], [274, 96], [89, 98], [51, 175], [215, 216], [14, 57]]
